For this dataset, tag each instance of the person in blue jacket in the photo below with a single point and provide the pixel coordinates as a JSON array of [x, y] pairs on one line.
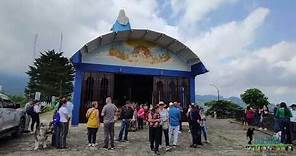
[[174, 123]]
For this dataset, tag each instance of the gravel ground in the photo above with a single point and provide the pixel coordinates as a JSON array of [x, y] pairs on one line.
[[225, 139]]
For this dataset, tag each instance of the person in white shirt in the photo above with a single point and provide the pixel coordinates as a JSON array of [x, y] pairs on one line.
[[28, 116], [62, 128], [164, 117], [70, 109], [293, 122]]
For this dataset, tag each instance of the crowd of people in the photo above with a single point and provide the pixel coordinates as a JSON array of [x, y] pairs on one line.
[[161, 119], [284, 120]]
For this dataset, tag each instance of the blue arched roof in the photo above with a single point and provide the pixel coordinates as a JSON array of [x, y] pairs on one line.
[[162, 40]]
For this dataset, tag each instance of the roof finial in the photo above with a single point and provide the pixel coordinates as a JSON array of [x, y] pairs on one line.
[[121, 23]]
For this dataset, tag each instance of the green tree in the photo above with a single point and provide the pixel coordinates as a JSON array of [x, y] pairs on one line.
[[22, 100], [254, 97], [223, 108], [51, 74]]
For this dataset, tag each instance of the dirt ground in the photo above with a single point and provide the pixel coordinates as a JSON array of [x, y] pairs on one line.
[[225, 139]]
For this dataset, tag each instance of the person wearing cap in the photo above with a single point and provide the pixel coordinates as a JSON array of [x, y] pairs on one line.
[[174, 124], [164, 117], [293, 122]]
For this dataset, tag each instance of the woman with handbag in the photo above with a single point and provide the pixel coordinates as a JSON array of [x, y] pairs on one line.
[[93, 123]]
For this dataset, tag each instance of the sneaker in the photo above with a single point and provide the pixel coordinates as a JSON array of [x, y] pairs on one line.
[[95, 144], [112, 148], [265, 129], [260, 128], [179, 132], [157, 152], [89, 145]]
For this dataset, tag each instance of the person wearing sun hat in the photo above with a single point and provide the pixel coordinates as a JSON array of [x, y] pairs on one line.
[[164, 117], [293, 122], [174, 124]]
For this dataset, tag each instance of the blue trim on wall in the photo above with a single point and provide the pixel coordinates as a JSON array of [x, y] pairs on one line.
[[192, 89], [84, 67], [198, 68], [77, 97]]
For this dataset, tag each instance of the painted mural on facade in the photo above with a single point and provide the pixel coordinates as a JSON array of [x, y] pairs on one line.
[[136, 53]]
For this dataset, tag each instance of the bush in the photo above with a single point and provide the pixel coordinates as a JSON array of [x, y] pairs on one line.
[[223, 109]]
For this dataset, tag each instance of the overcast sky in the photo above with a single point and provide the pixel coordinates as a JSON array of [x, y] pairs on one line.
[[244, 44]]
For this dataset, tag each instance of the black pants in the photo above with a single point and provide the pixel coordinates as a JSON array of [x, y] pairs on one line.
[[92, 135], [140, 123], [293, 131], [62, 135], [181, 125], [35, 119], [166, 136], [196, 134], [250, 139], [154, 135]]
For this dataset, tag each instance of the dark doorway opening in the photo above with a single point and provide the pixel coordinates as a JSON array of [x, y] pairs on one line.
[[136, 88]]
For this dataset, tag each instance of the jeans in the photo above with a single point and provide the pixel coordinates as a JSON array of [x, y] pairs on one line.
[[166, 136], [92, 135], [109, 134], [124, 128], [204, 132], [27, 125], [173, 134], [62, 135], [35, 119], [154, 135], [55, 135]]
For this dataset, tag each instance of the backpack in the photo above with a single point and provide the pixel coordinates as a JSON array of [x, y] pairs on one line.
[[56, 118], [30, 110]]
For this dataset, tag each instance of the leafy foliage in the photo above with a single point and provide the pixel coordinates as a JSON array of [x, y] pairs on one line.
[[22, 100], [51, 74], [255, 98], [223, 108]]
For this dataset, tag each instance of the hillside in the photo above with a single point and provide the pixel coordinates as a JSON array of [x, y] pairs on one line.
[[207, 98]]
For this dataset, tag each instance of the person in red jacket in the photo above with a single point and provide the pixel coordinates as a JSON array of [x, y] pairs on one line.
[[141, 115], [249, 113]]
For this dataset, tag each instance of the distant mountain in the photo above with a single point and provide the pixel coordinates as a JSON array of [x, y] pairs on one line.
[[207, 98], [12, 84]]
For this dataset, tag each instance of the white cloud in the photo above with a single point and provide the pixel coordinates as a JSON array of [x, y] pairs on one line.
[[224, 49], [234, 67], [79, 21], [194, 11]]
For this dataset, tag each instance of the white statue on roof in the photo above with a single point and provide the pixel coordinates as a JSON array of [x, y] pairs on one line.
[[122, 19], [121, 23]]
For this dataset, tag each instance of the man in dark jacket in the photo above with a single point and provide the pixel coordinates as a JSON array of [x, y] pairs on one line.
[[125, 116]]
